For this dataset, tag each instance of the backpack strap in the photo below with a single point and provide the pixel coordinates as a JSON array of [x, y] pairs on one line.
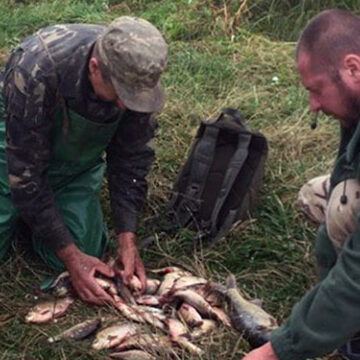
[[235, 166], [233, 120], [202, 159]]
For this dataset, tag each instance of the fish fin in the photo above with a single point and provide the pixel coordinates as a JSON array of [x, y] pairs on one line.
[[219, 288], [231, 282]]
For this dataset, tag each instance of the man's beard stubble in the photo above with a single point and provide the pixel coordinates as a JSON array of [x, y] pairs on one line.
[[351, 103]]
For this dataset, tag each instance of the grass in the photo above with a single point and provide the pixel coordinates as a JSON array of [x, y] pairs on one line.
[[222, 53]]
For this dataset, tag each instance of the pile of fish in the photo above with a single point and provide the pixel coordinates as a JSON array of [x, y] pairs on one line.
[[183, 307]]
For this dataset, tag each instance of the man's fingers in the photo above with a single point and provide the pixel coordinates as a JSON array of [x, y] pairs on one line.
[[129, 268], [88, 296], [93, 293], [105, 269], [140, 271], [99, 293]]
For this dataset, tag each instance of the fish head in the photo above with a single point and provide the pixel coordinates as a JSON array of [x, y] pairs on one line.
[[38, 316]]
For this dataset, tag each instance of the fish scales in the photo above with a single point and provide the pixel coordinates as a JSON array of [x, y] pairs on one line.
[[153, 342], [152, 285], [133, 355], [48, 310], [114, 335], [183, 342], [151, 300], [190, 315], [197, 301], [79, 331], [201, 330], [168, 283]]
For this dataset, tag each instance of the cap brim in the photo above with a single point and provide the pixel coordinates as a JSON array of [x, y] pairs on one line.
[[143, 100]]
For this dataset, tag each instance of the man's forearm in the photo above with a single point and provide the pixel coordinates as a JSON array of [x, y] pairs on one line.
[[68, 253], [127, 236]]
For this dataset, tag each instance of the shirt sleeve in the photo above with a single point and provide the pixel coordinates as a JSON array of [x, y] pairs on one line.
[[129, 158], [328, 315], [28, 147]]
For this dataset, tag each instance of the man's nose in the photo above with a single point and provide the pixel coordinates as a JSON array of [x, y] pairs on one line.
[[315, 105]]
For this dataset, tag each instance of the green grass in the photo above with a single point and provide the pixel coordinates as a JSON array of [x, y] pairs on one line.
[[284, 19], [218, 57]]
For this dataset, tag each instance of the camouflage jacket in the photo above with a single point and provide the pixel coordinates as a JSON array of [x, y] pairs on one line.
[[31, 84]]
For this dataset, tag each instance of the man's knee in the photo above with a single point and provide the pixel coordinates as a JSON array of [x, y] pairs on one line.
[[313, 197], [341, 213]]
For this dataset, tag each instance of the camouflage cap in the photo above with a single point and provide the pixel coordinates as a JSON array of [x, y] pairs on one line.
[[135, 53]]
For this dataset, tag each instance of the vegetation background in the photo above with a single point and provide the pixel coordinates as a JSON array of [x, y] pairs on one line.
[[235, 53]]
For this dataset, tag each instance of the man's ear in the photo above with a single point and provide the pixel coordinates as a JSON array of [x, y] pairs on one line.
[[94, 67], [350, 70]]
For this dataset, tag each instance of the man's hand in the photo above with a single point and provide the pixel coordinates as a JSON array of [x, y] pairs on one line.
[[129, 257], [265, 352], [82, 269]]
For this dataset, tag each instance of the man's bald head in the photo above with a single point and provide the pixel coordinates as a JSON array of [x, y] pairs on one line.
[[328, 38]]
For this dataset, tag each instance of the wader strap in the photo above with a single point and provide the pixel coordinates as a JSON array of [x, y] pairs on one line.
[[235, 166], [202, 160]]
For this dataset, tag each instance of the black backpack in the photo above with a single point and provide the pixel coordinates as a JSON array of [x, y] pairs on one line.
[[220, 181]]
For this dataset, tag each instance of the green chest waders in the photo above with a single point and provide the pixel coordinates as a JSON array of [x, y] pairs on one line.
[[76, 173]]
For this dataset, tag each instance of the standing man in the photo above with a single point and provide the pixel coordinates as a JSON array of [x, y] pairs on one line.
[[328, 316], [69, 94]]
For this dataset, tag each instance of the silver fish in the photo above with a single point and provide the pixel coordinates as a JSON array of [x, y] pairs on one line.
[[129, 312], [190, 315], [133, 355], [148, 300], [151, 316], [153, 320], [152, 286], [171, 269], [61, 286], [123, 291], [194, 299], [140, 314], [222, 316], [185, 343], [176, 328], [135, 283], [201, 330], [181, 336], [108, 285], [187, 282], [114, 335], [212, 297], [79, 331], [152, 310], [248, 318], [48, 310], [168, 283], [154, 342]]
